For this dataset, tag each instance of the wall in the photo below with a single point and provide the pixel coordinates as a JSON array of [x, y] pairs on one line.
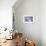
[[31, 31], [43, 22], [6, 13]]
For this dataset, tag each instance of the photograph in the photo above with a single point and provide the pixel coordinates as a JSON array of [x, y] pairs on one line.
[[28, 19]]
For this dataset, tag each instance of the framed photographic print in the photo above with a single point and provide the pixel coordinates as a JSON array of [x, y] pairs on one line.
[[28, 19]]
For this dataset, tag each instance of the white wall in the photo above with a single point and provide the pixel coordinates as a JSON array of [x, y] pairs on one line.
[[31, 31], [43, 22], [6, 13]]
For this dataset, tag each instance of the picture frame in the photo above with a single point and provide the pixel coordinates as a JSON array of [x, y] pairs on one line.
[[28, 19]]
